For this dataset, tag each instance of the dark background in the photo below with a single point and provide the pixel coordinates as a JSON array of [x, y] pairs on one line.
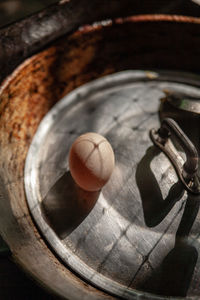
[[12, 10]]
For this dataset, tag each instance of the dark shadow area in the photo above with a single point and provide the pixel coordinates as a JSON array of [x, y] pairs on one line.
[[174, 275], [14, 10], [16, 285], [155, 208], [66, 205], [173, 278]]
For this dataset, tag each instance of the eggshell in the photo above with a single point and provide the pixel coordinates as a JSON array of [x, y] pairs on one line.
[[91, 161]]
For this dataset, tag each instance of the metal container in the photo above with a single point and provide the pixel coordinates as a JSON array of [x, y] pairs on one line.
[[131, 245]]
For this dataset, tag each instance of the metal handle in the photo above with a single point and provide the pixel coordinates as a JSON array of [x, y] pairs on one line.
[[186, 172]]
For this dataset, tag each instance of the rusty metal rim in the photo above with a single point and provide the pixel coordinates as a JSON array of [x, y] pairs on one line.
[[86, 28]]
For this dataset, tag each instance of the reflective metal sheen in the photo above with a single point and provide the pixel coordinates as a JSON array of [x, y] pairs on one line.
[[136, 221], [188, 103]]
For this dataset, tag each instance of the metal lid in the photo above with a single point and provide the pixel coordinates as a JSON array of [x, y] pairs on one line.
[[138, 223]]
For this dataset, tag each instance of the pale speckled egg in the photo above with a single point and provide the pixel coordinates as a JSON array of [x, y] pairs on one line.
[[91, 161]]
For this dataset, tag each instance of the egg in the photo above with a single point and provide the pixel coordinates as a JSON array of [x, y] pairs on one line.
[[91, 161]]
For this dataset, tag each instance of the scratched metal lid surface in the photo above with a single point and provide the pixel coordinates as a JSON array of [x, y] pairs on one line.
[[129, 243]]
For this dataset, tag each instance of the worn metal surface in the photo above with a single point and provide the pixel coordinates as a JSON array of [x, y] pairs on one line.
[[132, 229], [24, 38], [181, 102], [32, 90], [13, 10]]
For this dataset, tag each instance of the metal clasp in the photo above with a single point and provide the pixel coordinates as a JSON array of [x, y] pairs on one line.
[[186, 171]]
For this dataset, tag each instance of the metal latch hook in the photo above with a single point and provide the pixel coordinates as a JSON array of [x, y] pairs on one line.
[[187, 172]]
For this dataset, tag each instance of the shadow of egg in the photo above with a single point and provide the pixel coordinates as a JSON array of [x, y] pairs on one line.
[[66, 205]]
